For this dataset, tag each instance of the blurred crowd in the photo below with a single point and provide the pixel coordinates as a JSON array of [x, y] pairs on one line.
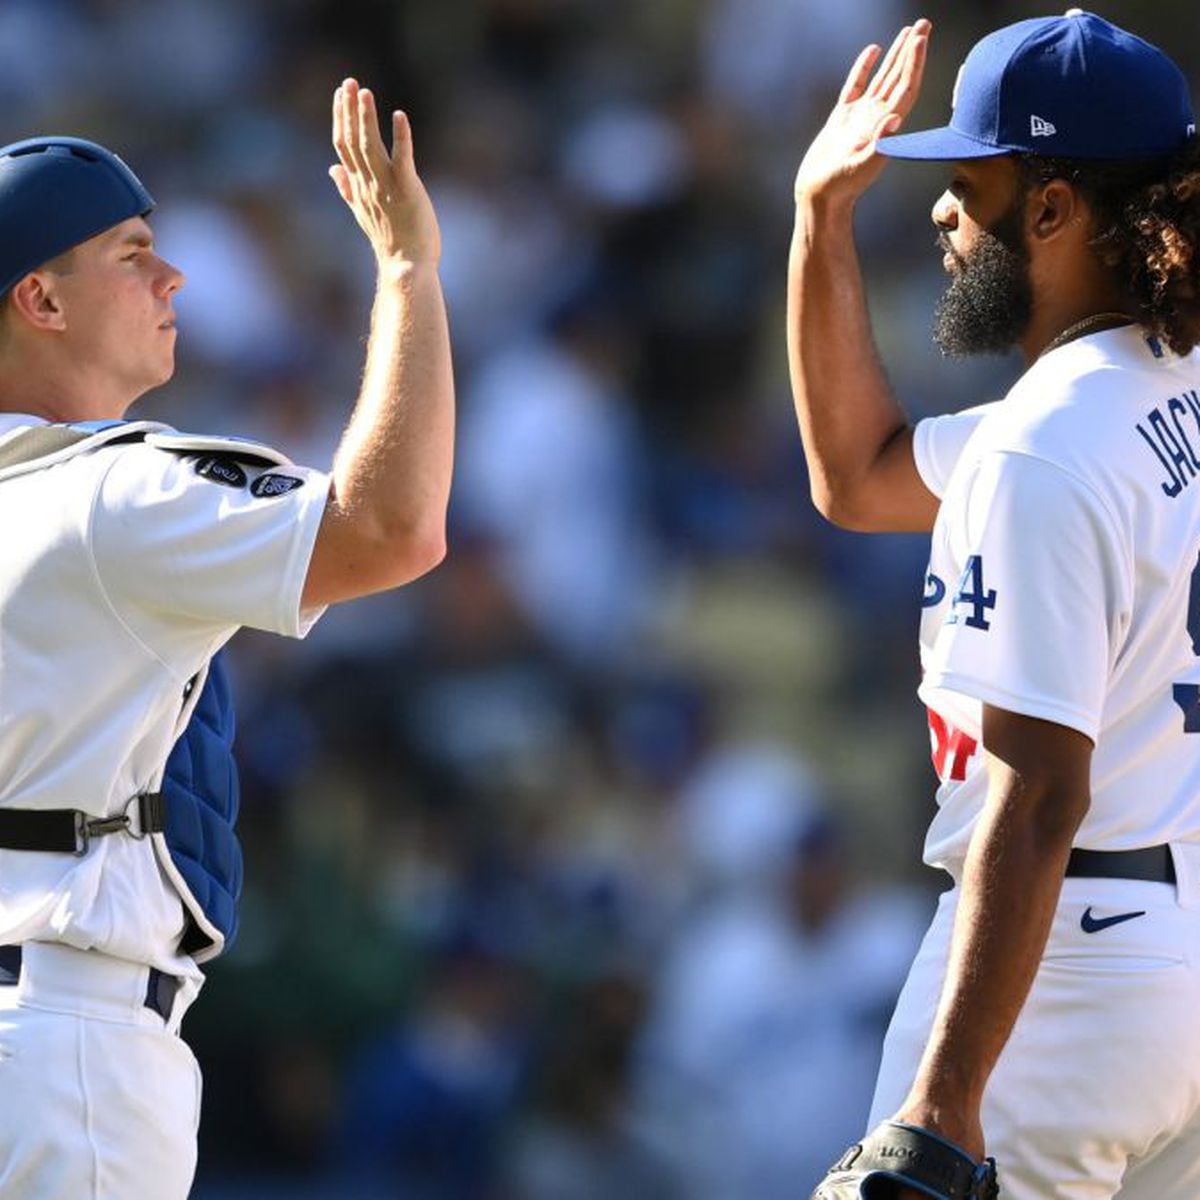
[[588, 867]]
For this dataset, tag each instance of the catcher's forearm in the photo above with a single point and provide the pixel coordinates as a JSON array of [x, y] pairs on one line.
[[1010, 887], [845, 408], [395, 460], [384, 523]]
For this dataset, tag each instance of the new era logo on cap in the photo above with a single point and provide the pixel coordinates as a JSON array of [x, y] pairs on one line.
[[1112, 96]]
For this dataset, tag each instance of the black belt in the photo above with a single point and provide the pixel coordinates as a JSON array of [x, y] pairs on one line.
[[1153, 864], [160, 988], [69, 830]]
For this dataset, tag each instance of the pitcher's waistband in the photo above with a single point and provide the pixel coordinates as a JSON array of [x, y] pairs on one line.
[[1153, 864]]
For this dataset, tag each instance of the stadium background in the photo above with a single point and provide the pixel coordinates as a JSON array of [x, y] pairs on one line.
[[587, 867]]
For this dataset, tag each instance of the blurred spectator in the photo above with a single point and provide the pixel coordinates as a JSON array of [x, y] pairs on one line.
[[234, 308], [426, 1102], [549, 471], [764, 57], [39, 40], [760, 1056], [579, 1142]]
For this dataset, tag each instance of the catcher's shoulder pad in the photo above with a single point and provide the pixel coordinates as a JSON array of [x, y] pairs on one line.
[[896, 1155], [31, 448], [243, 450], [34, 447]]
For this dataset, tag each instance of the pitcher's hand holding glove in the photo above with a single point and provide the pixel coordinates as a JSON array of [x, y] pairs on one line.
[[897, 1160]]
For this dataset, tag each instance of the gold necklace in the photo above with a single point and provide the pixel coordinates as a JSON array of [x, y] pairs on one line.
[[1087, 325]]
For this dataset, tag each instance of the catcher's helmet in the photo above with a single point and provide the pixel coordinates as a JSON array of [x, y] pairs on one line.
[[56, 192]]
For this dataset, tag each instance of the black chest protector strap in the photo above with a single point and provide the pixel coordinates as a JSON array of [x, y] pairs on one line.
[[69, 830]]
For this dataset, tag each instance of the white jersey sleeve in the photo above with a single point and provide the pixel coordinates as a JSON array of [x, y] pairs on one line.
[[206, 537], [1040, 611], [939, 441]]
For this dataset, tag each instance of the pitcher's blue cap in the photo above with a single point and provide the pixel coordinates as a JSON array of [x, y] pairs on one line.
[[1074, 86], [56, 192]]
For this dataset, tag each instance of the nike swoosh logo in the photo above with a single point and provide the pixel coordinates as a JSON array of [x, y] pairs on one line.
[[1090, 924]]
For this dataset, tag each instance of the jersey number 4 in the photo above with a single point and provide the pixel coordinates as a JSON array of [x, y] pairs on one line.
[[1187, 695], [972, 594]]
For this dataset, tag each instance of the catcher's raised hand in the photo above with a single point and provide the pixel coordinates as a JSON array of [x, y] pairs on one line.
[[382, 188], [842, 160]]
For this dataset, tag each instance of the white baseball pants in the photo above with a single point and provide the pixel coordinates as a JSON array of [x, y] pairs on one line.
[[99, 1097], [1097, 1094]]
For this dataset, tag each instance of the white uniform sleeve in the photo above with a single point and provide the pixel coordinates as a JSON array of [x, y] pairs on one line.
[[938, 442], [1036, 621], [227, 544]]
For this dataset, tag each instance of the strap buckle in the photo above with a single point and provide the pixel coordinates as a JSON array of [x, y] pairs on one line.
[[151, 813], [87, 828]]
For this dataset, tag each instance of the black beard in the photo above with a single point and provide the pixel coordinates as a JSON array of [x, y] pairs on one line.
[[987, 307]]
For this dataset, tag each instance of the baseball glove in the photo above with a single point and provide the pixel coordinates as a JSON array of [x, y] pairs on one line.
[[895, 1156]]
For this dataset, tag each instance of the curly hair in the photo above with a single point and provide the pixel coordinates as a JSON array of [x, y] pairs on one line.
[[1148, 216]]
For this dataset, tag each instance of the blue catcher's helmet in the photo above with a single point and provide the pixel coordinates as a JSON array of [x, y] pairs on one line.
[[56, 192]]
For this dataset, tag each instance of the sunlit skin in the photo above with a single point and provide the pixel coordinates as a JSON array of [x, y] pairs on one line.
[[987, 307], [1068, 280], [84, 340], [978, 194]]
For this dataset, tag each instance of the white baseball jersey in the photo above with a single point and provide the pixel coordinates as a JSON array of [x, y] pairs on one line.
[[1064, 584], [122, 571]]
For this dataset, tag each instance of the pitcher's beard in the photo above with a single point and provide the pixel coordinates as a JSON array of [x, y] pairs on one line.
[[987, 307]]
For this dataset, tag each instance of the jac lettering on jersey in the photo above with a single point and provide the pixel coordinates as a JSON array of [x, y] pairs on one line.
[[1170, 437]]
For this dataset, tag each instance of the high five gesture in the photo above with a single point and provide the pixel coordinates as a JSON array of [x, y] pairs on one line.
[[385, 519], [856, 436], [382, 189], [842, 158]]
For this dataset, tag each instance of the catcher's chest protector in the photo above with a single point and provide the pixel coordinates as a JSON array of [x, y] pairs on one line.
[[198, 846]]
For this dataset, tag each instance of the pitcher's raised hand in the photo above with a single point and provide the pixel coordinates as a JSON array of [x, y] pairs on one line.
[[875, 99]]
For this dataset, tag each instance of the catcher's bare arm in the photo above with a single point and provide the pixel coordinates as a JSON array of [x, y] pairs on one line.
[[856, 438], [384, 523]]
